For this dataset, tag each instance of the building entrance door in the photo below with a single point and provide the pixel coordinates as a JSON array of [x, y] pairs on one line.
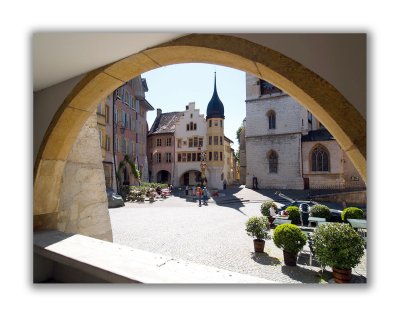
[[186, 179], [306, 183]]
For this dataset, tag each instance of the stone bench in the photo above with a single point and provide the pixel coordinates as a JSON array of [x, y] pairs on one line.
[[74, 258]]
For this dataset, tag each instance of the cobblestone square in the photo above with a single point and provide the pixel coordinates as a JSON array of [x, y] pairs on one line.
[[213, 235]]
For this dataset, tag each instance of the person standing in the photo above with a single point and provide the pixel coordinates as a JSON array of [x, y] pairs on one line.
[[199, 194], [187, 190], [205, 196]]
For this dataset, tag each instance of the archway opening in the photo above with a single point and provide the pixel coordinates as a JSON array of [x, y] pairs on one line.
[[321, 98], [164, 177], [190, 178]]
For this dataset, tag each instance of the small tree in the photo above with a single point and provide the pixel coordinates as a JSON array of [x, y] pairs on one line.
[[338, 245], [258, 227], [266, 205]]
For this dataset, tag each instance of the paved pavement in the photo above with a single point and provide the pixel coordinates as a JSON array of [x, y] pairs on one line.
[[213, 235]]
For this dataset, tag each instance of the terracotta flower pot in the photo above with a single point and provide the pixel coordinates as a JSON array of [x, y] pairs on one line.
[[341, 275], [290, 259], [259, 245]]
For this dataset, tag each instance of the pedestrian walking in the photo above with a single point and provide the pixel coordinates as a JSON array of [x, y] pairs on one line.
[[205, 196], [187, 190], [199, 194]]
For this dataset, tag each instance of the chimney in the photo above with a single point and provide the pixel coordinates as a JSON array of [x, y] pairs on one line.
[[159, 111]]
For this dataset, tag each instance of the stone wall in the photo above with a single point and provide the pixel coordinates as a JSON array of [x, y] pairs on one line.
[[83, 206], [289, 161], [242, 158], [358, 198]]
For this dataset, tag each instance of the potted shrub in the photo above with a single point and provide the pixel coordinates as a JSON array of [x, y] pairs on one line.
[[265, 209], [291, 239], [352, 213], [294, 214], [320, 211], [337, 245], [258, 228]]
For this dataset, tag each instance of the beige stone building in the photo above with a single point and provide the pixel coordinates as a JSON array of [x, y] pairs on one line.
[[282, 145], [178, 142]]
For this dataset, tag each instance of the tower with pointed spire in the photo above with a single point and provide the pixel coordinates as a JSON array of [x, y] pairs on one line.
[[215, 139]]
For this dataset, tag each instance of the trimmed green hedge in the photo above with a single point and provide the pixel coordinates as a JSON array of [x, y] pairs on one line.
[[320, 211], [289, 237], [352, 213], [294, 214]]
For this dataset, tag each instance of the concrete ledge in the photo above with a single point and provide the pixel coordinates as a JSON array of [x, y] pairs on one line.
[[75, 258]]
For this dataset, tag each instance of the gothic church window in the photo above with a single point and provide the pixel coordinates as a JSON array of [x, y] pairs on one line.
[[320, 159], [271, 119], [273, 162]]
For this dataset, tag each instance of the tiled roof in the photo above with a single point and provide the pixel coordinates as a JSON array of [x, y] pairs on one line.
[[317, 135], [165, 123]]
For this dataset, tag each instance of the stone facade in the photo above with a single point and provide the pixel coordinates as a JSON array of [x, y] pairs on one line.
[[190, 138], [189, 133], [278, 142], [83, 206], [161, 156], [122, 125]]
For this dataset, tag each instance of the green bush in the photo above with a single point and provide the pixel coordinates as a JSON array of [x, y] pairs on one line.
[[294, 214], [266, 205], [289, 237], [258, 227], [352, 213], [320, 211], [338, 245]]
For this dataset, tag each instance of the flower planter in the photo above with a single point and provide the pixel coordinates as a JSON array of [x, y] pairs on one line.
[[290, 259], [259, 245], [341, 275]]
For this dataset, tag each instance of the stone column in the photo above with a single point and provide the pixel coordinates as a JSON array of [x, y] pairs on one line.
[[83, 206]]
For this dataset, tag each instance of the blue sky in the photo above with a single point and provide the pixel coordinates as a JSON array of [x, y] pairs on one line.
[[172, 87]]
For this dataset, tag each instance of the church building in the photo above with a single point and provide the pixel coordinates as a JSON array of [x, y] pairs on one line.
[[284, 146]]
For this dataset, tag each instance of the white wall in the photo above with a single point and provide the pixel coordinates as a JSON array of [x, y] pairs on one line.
[[182, 133]]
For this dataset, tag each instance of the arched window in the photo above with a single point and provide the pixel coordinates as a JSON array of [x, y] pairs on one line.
[[273, 162], [320, 159], [271, 119]]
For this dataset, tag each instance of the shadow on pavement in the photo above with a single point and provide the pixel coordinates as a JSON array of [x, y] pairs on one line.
[[227, 198], [300, 274], [264, 259]]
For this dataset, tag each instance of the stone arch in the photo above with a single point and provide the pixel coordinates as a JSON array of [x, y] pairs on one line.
[[310, 90], [181, 176], [163, 176]]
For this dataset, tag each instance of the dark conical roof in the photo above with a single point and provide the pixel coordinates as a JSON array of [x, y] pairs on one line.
[[215, 108]]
